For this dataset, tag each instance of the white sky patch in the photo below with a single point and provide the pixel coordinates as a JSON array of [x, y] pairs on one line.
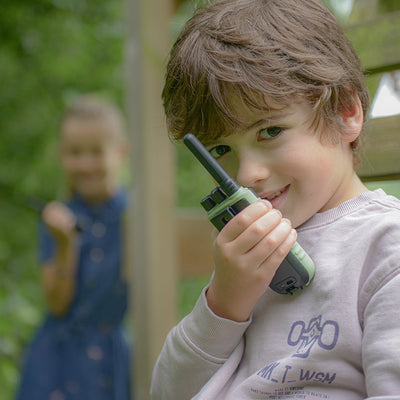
[[387, 98], [343, 6]]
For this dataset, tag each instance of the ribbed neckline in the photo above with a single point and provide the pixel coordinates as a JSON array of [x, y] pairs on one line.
[[343, 209]]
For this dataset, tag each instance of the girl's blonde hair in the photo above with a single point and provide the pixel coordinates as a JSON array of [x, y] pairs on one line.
[[92, 107]]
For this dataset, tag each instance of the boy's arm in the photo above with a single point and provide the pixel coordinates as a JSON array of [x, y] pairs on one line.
[[381, 337], [193, 352], [247, 253]]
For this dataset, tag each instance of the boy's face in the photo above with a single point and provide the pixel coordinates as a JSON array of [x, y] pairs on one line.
[[283, 160], [91, 158]]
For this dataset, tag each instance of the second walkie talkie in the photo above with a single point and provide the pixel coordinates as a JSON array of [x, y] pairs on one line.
[[228, 199]]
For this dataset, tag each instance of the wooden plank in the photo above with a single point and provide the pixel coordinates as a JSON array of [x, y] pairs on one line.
[[178, 3], [151, 243], [377, 42], [386, 6], [363, 10], [195, 244], [381, 154]]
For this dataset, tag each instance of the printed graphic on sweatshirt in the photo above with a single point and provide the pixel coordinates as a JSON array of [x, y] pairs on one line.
[[304, 337], [324, 335]]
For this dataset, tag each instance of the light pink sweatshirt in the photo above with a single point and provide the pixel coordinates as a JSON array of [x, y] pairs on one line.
[[338, 339]]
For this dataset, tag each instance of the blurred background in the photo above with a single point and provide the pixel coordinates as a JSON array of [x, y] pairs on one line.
[[50, 51]]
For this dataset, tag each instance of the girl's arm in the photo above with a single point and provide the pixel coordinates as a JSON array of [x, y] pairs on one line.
[[59, 273]]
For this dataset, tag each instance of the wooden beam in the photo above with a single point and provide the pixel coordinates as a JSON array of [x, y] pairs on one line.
[[178, 3], [195, 244], [386, 6], [381, 154], [377, 42], [363, 10], [151, 238]]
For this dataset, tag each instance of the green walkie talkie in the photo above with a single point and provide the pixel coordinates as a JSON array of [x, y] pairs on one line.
[[228, 199]]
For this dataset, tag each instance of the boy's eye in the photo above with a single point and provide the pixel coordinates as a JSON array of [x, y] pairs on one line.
[[219, 151], [269, 133]]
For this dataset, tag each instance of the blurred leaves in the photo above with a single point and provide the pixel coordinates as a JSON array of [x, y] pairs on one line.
[[50, 51]]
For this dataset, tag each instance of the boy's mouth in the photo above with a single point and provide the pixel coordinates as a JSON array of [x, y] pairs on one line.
[[276, 194], [275, 197]]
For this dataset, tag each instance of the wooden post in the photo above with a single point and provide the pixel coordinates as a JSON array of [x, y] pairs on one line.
[[151, 239]]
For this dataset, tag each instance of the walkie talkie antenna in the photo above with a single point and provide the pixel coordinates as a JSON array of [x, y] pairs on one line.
[[223, 179]]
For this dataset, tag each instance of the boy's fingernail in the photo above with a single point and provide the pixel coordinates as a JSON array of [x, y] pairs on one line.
[[286, 221], [268, 204], [276, 211]]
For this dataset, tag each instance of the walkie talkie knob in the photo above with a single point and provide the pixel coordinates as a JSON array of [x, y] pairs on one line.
[[218, 195], [208, 203]]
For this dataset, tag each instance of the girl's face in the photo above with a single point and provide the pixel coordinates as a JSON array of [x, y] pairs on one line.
[[91, 157], [283, 160]]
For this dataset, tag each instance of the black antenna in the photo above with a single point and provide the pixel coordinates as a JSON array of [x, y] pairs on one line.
[[227, 183]]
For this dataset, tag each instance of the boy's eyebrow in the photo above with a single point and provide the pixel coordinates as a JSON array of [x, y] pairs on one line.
[[271, 118]]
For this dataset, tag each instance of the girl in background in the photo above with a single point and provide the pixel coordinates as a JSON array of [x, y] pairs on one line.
[[79, 353]]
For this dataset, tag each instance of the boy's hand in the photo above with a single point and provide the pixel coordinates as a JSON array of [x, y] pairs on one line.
[[247, 253], [60, 221]]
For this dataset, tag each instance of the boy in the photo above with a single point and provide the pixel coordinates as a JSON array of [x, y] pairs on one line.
[[276, 93]]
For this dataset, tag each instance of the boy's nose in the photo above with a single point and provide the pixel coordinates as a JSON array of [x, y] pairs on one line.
[[252, 169]]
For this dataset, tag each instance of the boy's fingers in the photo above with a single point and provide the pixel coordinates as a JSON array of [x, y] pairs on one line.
[[270, 242], [261, 230], [279, 254], [244, 219]]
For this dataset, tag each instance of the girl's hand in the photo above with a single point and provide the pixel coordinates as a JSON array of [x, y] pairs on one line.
[[58, 274], [60, 220], [247, 253]]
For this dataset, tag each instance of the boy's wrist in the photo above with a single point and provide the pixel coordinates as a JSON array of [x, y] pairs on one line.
[[213, 335], [226, 309]]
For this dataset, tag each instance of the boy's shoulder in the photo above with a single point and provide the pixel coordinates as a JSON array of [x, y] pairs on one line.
[[386, 200], [371, 208], [385, 207], [370, 220], [380, 234]]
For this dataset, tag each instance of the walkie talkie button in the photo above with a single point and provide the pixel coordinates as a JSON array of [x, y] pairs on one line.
[[208, 203], [218, 195]]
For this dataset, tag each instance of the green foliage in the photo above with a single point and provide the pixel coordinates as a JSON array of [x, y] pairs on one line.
[[50, 51]]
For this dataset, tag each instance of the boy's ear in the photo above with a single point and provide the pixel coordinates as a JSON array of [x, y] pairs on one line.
[[353, 118]]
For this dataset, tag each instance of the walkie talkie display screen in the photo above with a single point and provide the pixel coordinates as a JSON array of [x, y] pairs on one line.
[[228, 199]]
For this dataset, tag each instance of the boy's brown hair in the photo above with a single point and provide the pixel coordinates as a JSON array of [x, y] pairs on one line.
[[260, 53]]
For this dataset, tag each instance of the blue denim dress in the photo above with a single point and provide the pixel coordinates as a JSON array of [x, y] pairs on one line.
[[84, 355]]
